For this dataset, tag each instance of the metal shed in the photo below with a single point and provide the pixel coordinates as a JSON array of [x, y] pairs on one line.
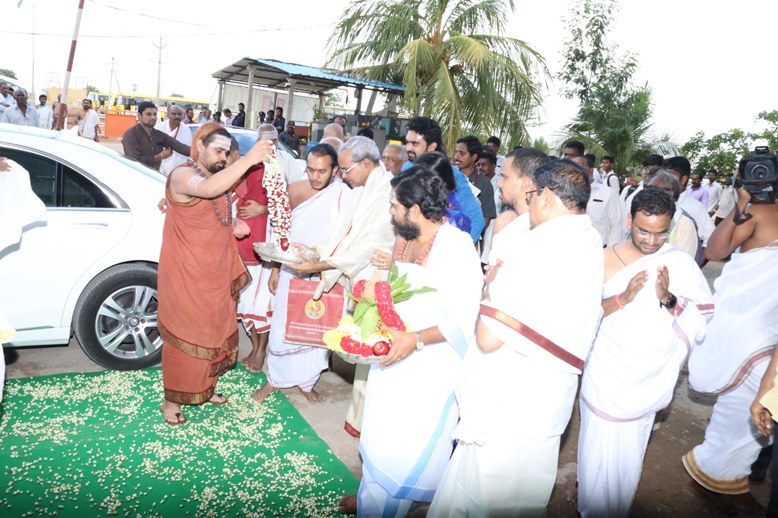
[[292, 77]]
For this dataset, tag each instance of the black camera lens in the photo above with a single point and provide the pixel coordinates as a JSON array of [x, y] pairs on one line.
[[760, 172]]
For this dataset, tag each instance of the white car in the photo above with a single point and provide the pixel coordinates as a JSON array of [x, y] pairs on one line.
[[92, 268]]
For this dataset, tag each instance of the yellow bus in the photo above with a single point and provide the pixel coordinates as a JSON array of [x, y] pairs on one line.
[[129, 101]]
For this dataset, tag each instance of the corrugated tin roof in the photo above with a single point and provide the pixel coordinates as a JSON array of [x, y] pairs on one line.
[[276, 74]]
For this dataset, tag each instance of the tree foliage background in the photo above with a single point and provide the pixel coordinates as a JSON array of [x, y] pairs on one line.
[[722, 152], [614, 116], [451, 57]]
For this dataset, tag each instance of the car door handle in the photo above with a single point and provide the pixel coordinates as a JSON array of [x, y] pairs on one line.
[[88, 226]]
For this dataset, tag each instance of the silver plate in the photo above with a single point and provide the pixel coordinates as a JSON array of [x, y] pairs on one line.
[[269, 252], [356, 358]]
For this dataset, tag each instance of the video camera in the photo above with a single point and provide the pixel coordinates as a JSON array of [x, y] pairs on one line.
[[758, 174]]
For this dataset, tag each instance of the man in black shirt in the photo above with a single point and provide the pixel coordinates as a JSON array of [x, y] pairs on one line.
[[148, 145], [240, 117]]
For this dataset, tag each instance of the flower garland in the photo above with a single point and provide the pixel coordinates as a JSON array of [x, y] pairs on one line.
[[279, 211]]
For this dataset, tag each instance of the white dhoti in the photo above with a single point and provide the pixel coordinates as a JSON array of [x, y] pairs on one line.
[[630, 375], [516, 401], [509, 475], [410, 407], [289, 364], [732, 443], [730, 362], [610, 461], [255, 305]]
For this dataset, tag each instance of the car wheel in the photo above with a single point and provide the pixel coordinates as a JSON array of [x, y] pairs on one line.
[[115, 319]]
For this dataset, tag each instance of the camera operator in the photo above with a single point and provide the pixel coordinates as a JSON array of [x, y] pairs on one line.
[[738, 344]]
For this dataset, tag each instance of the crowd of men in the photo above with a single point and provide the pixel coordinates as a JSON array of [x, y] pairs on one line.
[[484, 363], [547, 275]]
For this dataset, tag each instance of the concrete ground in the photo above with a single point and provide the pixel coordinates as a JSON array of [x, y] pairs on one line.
[[663, 489]]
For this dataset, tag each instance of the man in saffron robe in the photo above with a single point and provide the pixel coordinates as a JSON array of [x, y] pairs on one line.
[[200, 273]]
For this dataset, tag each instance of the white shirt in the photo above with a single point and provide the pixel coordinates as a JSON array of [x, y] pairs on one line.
[[714, 195], [5, 103], [604, 209], [14, 115], [726, 202], [611, 180], [699, 214], [45, 116], [181, 134]]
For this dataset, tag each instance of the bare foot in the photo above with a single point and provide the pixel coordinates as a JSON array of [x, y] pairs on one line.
[[218, 399], [172, 414], [312, 396], [261, 393], [252, 363], [348, 505]]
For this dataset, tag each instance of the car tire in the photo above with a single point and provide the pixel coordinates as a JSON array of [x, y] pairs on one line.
[[115, 319]]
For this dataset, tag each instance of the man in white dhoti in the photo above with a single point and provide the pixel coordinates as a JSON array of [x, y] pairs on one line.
[[45, 113], [315, 206], [518, 388], [173, 127], [88, 121], [603, 208], [410, 407], [362, 227], [655, 304], [737, 347]]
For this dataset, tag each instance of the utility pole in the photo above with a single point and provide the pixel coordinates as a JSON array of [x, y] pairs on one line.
[[159, 66], [71, 57]]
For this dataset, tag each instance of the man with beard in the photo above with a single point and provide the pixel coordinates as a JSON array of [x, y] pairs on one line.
[[200, 273], [629, 376], [315, 204], [424, 135], [362, 227], [410, 408], [147, 144], [514, 182]]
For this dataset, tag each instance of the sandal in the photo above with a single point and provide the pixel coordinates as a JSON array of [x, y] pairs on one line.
[[179, 416]]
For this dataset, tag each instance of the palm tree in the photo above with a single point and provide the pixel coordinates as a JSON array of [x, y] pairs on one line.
[[452, 68]]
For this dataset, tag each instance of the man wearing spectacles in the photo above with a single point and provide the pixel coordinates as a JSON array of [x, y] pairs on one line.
[[656, 304], [362, 227], [519, 382], [394, 158]]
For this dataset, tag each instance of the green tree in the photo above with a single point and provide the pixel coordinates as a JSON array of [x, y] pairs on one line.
[[614, 116], [7, 72], [723, 151], [452, 59], [91, 88], [176, 95], [541, 144]]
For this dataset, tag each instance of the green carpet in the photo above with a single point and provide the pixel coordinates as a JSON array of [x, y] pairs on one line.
[[96, 445]]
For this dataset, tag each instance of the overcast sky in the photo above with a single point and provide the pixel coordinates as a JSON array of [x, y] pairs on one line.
[[706, 62]]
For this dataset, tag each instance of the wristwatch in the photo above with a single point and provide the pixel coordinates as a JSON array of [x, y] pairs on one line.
[[419, 341], [671, 302]]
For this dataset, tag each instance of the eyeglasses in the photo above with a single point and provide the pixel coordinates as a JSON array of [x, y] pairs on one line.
[[346, 171], [528, 195], [389, 159], [647, 235]]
